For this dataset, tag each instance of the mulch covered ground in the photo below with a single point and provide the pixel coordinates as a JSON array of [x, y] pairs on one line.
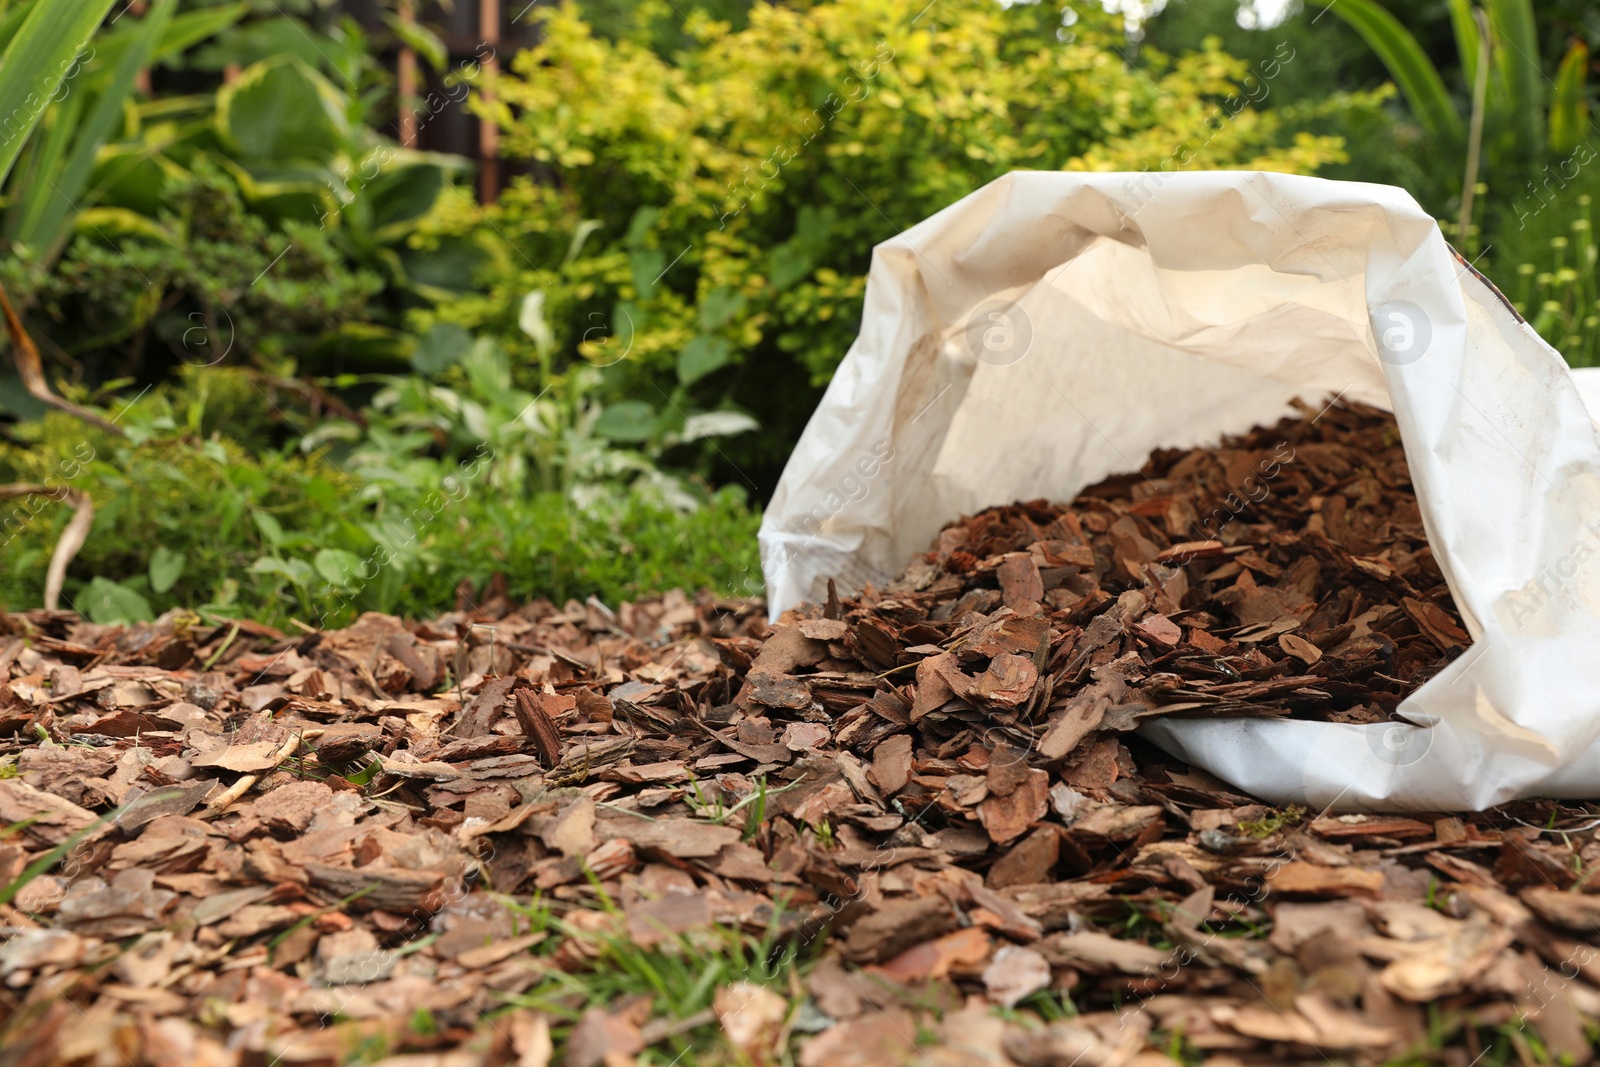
[[915, 826]]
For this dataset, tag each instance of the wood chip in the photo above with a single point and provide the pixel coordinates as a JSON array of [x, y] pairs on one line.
[[538, 726], [935, 784]]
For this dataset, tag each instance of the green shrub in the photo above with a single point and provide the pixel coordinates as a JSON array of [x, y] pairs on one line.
[[730, 198], [208, 277], [267, 220], [209, 502]]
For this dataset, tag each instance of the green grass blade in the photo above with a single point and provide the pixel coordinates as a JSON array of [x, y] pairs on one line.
[[44, 207], [1569, 107], [708, 979], [37, 58], [17, 827], [1516, 59], [306, 920], [53, 857], [1407, 63]]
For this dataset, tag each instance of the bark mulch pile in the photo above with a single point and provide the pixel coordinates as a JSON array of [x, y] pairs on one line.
[[914, 826]]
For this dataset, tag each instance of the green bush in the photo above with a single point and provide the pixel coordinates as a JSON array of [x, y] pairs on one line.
[[267, 220], [713, 216], [207, 278], [463, 405]]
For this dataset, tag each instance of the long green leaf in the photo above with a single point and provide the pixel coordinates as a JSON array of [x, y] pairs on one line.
[[184, 31], [36, 167], [44, 211], [1407, 64], [193, 27], [1465, 28], [1569, 107], [42, 52], [1516, 45], [11, 21]]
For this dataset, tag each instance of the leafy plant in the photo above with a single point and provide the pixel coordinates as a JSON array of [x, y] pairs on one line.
[[278, 535], [731, 196], [155, 192], [462, 406], [41, 50], [1524, 120], [56, 176], [1543, 255], [1272, 821], [204, 279], [310, 30]]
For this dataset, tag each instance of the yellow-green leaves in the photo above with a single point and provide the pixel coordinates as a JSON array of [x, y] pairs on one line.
[[741, 185], [1569, 107]]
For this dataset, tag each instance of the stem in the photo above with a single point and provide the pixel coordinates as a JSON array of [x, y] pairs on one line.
[[1480, 92], [31, 370]]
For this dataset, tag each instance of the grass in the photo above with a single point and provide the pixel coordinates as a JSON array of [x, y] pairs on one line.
[[680, 974], [1541, 253], [1048, 1004], [1139, 917], [1501, 1045], [279, 536], [711, 806], [48, 861], [1178, 1048]]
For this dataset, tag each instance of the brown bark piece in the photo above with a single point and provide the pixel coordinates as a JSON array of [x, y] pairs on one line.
[[345, 742], [1028, 862], [290, 808], [933, 689], [1317, 880], [891, 764], [479, 715], [538, 726], [1007, 818], [897, 926], [1020, 583], [778, 690], [1436, 624], [1159, 630], [1578, 912], [789, 648]]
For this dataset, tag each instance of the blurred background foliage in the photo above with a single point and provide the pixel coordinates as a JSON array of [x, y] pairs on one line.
[[343, 380], [727, 200]]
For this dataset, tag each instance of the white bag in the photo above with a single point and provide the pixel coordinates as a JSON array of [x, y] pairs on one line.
[[1053, 328]]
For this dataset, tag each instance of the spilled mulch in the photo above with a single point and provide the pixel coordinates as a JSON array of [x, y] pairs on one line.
[[914, 826]]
